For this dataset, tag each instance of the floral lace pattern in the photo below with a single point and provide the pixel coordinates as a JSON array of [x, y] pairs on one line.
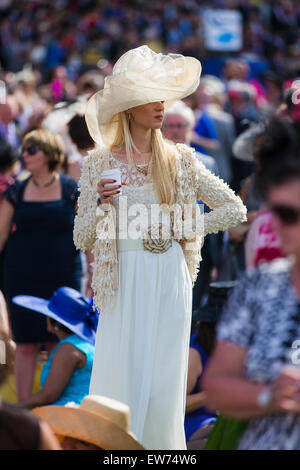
[[138, 197], [134, 204], [130, 175]]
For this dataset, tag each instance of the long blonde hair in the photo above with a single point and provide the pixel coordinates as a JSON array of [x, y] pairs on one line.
[[163, 161]]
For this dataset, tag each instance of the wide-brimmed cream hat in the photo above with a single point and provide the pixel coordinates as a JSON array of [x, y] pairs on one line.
[[139, 77], [98, 420]]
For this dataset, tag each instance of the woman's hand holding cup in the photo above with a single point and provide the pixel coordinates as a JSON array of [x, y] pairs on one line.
[[106, 194], [109, 186]]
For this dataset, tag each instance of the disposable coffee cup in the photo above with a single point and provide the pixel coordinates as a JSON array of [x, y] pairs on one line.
[[113, 174]]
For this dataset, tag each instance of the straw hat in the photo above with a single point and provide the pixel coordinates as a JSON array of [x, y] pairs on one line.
[[99, 420], [139, 77]]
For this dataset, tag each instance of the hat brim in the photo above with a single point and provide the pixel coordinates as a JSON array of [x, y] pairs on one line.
[[40, 305], [86, 426]]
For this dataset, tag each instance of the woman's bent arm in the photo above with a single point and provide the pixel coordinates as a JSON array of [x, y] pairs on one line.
[[227, 389], [64, 363], [228, 209]]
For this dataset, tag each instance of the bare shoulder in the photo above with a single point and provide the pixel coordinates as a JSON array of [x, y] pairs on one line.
[[66, 350]]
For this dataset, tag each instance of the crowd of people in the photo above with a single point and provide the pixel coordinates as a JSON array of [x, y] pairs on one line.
[[243, 124], [79, 33]]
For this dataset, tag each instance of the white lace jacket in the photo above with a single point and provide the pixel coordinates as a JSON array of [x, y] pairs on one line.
[[194, 182]]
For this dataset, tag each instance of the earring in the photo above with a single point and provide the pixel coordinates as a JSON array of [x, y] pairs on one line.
[[129, 116]]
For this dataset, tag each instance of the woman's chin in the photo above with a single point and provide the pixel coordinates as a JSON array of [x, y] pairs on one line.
[[157, 125], [28, 167]]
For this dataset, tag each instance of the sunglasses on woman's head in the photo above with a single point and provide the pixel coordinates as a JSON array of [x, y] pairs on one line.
[[31, 149], [287, 215]]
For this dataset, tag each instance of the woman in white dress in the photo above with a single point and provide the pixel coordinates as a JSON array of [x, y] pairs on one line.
[[143, 284]]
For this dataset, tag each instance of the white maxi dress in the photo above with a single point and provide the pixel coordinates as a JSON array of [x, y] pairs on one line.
[[142, 342]]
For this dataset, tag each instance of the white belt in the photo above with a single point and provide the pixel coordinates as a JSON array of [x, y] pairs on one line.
[[129, 244]]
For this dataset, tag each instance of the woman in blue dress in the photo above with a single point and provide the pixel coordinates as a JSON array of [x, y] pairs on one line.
[[66, 375], [36, 225]]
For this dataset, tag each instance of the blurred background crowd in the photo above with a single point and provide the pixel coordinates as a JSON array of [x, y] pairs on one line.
[[53, 57], [79, 33]]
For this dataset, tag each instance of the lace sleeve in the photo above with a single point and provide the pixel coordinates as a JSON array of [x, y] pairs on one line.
[[227, 208], [85, 220]]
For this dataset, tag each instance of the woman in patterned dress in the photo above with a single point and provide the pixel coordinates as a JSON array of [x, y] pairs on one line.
[[254, 373]]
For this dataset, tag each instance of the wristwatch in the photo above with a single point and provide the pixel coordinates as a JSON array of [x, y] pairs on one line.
[[265, 397]]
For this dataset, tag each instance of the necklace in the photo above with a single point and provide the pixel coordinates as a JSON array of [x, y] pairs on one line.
[[142, 167], [43, 185]]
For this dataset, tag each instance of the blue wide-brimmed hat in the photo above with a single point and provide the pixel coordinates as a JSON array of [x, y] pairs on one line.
[[67, 306]]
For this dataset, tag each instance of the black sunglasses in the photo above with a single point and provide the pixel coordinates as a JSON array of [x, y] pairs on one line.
[[287, 215], [31, 149]]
